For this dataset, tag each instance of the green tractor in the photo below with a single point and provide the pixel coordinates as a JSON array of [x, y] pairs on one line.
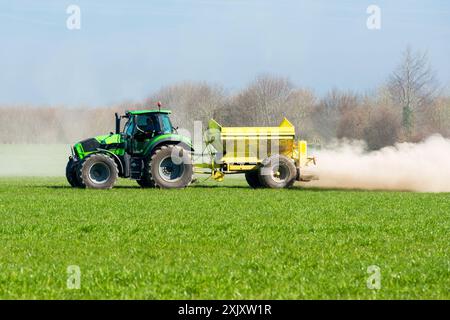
[[148, 150]]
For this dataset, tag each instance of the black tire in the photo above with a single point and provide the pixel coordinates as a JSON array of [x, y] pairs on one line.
[[98, 171], [162, 172], [253, 179], [277, 172], [71, 174], [145, 183]]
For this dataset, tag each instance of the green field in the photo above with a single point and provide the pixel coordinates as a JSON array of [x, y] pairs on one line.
[[221, 241]]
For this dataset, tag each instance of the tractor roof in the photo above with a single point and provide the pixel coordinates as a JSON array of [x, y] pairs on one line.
[[137, 112]]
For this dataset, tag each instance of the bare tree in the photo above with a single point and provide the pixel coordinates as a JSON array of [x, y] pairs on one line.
[[413, 86], [328, 112], [353, 119], [436, 118], [382, 129], [262, 99], [189, 101], [299, 109]]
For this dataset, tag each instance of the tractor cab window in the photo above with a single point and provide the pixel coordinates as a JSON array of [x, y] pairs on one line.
[[129, 128], [166, 125], [147, 123], [153, 123]]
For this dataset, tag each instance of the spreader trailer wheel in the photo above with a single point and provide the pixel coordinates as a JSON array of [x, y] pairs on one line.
[[253, 179], [277, 172]]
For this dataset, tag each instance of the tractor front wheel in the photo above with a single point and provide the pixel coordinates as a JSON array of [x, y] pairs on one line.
[[71, 174], [98, 171], [170, 166]]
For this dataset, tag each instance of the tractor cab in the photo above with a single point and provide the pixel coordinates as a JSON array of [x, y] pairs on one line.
[[145, 123], [142, 127]]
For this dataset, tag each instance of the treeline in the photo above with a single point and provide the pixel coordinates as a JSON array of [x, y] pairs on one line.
[[409, 106]]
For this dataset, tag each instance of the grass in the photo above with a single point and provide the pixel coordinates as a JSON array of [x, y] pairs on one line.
[[220, 241]]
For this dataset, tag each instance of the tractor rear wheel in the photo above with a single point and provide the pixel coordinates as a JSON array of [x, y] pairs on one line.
[[252, 179], [98, 171], [170, 166], [71, 174], [277, 172]]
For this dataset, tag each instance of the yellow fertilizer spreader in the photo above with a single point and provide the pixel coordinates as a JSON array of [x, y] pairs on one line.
[[268, 156]]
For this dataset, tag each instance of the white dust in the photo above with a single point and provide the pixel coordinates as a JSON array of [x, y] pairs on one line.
[[423, 167]]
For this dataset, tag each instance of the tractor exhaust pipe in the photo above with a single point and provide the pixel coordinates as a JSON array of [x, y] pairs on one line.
[[117, 123]]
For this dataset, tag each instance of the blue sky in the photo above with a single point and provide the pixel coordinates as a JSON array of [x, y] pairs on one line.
[[125, 50]]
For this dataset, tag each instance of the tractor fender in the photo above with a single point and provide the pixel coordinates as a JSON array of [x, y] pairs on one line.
[[115, 157], [169, 140]]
